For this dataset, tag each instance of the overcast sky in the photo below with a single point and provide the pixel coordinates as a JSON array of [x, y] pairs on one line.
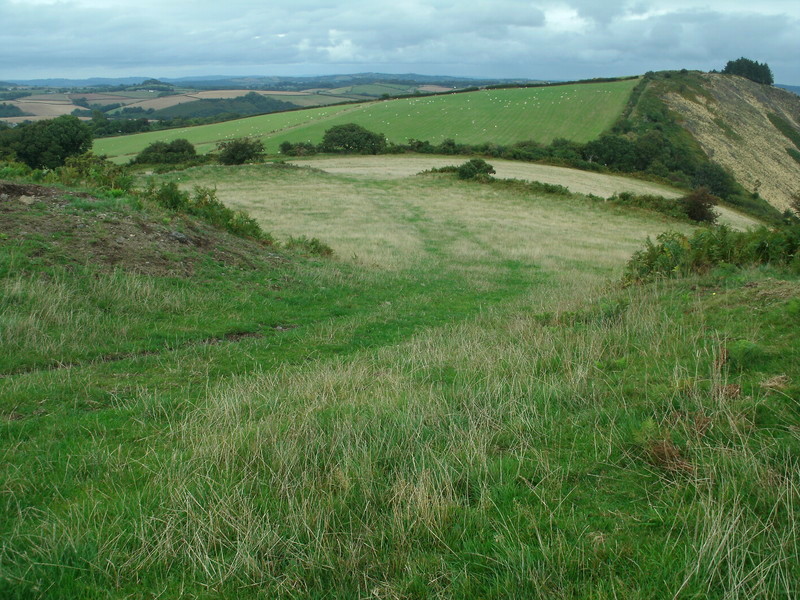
[[539, 39]]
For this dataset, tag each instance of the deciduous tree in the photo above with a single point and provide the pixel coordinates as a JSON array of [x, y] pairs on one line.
[[47, 144]]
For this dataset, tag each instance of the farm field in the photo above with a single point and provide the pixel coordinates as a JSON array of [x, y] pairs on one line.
[[206, 137], [579, 182], [49, 106], [461, 402], [576, 112], [41, 107]]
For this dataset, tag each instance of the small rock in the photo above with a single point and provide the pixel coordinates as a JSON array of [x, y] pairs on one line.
[[179, 237], [27, 200]]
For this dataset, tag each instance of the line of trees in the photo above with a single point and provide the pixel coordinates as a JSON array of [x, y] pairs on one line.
[[752, 70]]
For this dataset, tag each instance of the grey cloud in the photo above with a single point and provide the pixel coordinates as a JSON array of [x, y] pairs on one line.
[[601, 12], [502, 38]]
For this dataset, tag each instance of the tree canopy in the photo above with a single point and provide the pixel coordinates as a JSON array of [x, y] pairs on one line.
[[352, 138], [47, 144], [752, 70], [169, 153], [240, 151]]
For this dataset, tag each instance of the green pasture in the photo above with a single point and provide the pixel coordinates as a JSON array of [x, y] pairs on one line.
[[575, 112], [206, 137], [461, 402]]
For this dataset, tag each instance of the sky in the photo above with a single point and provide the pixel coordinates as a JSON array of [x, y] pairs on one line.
[[540, 39]]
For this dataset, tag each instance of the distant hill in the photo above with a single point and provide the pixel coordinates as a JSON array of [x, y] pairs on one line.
[[76, 83], [274, 82], [791, 88], [334, 81]]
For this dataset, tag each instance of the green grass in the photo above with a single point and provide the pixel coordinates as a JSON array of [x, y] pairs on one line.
[[461, 403], [575, 112], [206, 137]]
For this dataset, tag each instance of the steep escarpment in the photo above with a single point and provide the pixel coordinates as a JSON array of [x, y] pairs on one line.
[[734, 121]]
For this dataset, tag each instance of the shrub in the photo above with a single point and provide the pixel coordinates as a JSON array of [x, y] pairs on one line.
[[95, 171], [238, 152], [676, 254], [475, 168], [352, 138], [14, 170], [699, 205], [660, 204], [308, 246], [298, 149], [166, 153], [203, 203]]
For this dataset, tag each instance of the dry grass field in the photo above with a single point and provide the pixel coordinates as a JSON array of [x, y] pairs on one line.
[[380, 220], [579, 182]]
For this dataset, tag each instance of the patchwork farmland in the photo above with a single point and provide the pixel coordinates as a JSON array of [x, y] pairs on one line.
[[577, 112]]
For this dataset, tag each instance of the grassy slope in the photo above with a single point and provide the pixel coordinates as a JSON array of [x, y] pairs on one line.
[[457, 406], [576, 112], [205, 137], [732, 124]]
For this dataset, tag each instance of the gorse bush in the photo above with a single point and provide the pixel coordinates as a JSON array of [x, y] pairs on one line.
[[167, 153], [238, 152], [676, 254], [203, 203], [475, 169]]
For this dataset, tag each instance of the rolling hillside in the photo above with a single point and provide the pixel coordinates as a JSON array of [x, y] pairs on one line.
[[576, 112], [461, 402], [734, 122]]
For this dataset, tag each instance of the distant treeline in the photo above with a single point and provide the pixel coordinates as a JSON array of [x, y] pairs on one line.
[[198, 112], [11, 110], [252, 103]]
